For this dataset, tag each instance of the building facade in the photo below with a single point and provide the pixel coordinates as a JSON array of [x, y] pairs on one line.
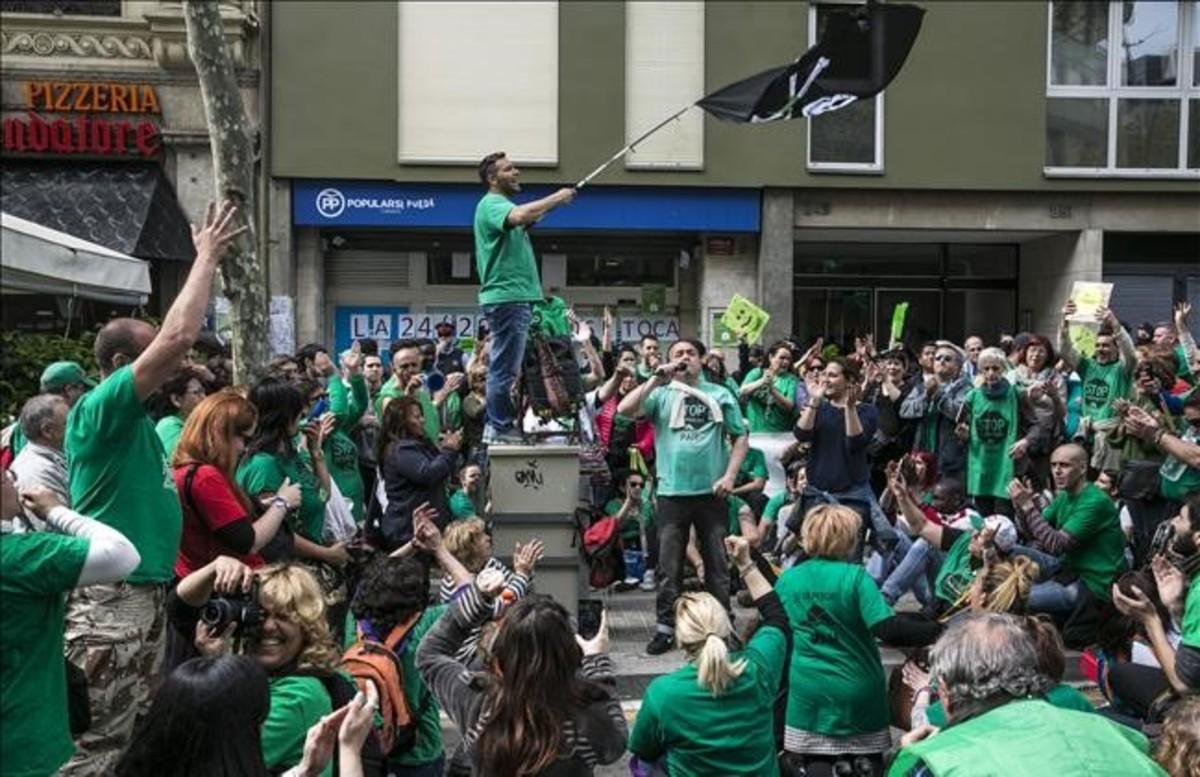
[[1023, 146], [105, 138]]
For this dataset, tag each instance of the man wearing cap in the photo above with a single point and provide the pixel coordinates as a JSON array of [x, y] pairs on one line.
[[68, 380], [119, 474]]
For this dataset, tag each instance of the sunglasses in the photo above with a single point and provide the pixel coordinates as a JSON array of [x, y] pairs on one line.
[[943, 358]]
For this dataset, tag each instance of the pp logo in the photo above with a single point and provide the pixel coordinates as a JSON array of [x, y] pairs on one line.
[[330, 203]]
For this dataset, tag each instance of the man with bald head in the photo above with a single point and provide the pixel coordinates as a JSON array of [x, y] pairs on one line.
[[119, 474], [1077, 538]]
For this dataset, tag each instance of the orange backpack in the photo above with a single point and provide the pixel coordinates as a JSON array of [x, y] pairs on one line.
[[368, 659]]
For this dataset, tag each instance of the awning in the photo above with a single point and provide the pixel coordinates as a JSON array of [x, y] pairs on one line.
[[38, 260], [129, 207]]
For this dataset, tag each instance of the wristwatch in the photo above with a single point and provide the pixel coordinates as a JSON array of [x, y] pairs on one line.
[[278, 501]]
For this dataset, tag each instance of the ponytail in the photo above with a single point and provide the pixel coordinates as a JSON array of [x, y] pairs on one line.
[[701, 626]]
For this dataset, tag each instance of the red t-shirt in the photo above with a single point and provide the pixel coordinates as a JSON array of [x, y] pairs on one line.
[[218, 506]]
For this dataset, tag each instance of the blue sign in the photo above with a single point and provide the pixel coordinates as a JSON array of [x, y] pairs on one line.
[[362, 322], [658, 208]]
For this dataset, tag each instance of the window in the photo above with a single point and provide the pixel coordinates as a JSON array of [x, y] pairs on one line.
[[63, 7], [849, 140], [1122, 88]]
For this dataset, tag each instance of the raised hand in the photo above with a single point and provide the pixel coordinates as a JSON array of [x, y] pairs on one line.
[[1170, 581], [219, 230], [599, 643], [526, 557], [1020, 494], [352, 360], [738, 549]]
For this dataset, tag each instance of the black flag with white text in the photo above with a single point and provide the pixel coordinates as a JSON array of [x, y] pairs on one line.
[[856, 58]]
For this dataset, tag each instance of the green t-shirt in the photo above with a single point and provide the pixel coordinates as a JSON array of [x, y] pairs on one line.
[[264, 473], [297, 702], [36, 571], [1099, 553], [955, 575], [631, 527], [1102, 384], [1176, 479], [16, 440], [1190, 628], [390, 390], [763, 413], [774, 505], [168, 430], [736, 505], [428, 746], [993, 431], [503, 254], [753, 466], [836, 677], [461, 505], [120, 475], [728, 735], [341, 452], [1063, 696], [693, 456]]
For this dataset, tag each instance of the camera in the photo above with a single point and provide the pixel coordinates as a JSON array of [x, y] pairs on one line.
[[240, 608]]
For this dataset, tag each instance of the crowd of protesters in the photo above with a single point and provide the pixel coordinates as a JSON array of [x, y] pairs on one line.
[[201, 578]]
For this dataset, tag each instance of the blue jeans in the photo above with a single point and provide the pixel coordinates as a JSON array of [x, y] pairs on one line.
[[1046, 595], [917, 571], [509, 325], [885, 535]]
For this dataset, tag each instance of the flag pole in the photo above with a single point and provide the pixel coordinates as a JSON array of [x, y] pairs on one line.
[[631, 146]]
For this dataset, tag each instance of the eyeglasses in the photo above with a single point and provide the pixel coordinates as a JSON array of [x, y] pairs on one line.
[[943, 358]]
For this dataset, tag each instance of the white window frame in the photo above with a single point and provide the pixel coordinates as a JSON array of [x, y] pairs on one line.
[[1114, 92], [872, 168]]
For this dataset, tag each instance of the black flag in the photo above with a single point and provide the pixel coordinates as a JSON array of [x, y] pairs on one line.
[[859, 54]]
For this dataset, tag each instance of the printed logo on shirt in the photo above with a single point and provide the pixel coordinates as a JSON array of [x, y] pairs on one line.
[[1096, 392], [991, 428], [696, 414], [819, 626]]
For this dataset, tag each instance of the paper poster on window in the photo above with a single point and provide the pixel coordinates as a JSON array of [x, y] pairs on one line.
[[281, 329], [1089, 297]]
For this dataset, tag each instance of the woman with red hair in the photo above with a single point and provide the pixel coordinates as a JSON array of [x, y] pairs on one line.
[[219, 519]]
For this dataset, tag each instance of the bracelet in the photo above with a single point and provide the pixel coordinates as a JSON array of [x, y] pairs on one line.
[[278, 501], [746, 569]]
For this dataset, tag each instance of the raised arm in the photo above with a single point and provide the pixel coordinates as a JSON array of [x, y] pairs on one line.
[[531, 212], [1066, 348], [631, 405], [181, 325]]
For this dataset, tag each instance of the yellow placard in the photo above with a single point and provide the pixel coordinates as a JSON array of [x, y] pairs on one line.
[[1089, 297], [1083, 337], [745, 319]]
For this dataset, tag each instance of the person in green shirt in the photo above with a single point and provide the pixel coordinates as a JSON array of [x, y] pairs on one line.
[[37, 569], [769, 393], [716, 714], [752, 479], [120, 475], [66, 379], [508, 281], [463, 499], [993, 418], [632, 508], [1180, 596], [982, 669], [407, 379], [697, 468], [179, 396], [1179, 475], [347, 402], [837, 697], [1078, 533], [1108, 375]]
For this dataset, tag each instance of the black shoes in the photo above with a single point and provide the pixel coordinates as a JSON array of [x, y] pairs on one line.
[[661, 643]]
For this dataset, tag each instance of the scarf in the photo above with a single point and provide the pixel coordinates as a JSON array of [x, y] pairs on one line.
[[684, 390]]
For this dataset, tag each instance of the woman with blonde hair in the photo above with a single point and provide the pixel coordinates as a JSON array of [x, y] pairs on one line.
[[219, 518], [837, 711], [292, 642], [715, 715], [1179, 748]]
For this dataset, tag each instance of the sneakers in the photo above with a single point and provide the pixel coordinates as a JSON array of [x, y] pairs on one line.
[[511, 436], [647, 583], [661, 643]]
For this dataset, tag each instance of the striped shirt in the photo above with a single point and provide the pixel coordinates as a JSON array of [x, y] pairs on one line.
[[515, 587]]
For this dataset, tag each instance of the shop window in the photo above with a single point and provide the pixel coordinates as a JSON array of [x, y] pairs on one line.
[[63, 7], [848, 140], [1121, 97], [613, 269], [871, 259]]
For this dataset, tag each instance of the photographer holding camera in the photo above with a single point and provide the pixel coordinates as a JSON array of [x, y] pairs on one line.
[[275, 615]]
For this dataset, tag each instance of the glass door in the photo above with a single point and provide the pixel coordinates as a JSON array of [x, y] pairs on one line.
[[922, 322]]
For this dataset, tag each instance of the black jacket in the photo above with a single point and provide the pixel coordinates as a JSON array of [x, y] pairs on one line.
[[414, 472]]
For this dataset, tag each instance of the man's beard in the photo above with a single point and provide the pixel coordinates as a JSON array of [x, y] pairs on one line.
[[1184, 545]]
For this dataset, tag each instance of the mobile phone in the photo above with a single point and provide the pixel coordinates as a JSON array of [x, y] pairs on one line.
[[590, 611], [318, 409]]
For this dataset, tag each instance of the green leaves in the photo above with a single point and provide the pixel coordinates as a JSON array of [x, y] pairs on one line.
[[24, 355]]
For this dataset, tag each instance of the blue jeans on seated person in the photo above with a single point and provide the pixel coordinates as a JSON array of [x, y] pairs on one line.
[[916, 571], [509, 326], [1047, 595]]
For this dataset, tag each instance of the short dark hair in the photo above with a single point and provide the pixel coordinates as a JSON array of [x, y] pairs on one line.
[[391, 591], [487, 165], [648, 336], [699, 346]]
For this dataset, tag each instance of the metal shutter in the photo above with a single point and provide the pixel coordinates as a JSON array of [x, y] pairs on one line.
[[354, 271], [1140, 298]]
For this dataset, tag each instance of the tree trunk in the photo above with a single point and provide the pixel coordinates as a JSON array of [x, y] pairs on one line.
[[233, 168]]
